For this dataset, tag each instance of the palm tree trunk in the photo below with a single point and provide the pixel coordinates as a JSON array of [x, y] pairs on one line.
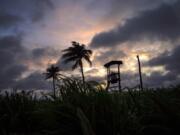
[[82, 71], [54, 92]]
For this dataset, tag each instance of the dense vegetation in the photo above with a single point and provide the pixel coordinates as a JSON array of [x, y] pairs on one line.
[[87, 109]]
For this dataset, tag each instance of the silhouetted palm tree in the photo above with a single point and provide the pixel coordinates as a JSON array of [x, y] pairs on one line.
[[76, 53], [52, 72]]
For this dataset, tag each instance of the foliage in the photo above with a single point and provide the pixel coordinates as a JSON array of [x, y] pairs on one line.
[[77, 53], [52, 72], [90, 110]]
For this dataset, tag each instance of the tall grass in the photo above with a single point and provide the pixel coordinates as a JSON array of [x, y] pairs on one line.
[[90, 110]]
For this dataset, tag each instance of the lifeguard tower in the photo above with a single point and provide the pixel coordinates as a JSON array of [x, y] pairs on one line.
[[113, 76]]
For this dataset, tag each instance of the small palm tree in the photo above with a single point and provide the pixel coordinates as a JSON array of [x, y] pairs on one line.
[[52, 72], [76, 53]]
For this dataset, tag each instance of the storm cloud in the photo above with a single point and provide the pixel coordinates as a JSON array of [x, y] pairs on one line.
[[10, 57], [8, 20], [32, 10], [158, 79], [13, 61], [35, 81], [168, 59], [160, 23], [15, 58], [112, 54], [32, 30]]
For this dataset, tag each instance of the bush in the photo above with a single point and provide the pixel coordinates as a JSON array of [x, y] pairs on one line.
[[90, 110]]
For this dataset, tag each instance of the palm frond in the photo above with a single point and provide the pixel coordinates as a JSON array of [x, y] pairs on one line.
[[76, 53], [75, 65], [47, 76], [68, 49], [87, 58], [89, 52], [70, 59], [52, 71], [69, 54]]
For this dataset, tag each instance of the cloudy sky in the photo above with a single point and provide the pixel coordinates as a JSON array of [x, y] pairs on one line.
[[34, 32]]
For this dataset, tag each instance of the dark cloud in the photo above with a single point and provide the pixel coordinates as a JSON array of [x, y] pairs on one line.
[[39, 56], [155, 79], [95, 79], [35, 81], [119, 8], [27, 9], [170, 60], [162, 23], [8, 20], [64, 66], [122, 9], [10, 52], [10, 74], [131, 79], [12, 58], [41, 7], [42, 52], [112, 54], [13, 54], [158, 79], [15, 16]]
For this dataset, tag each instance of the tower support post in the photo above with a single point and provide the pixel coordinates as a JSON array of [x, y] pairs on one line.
[[119, 76]]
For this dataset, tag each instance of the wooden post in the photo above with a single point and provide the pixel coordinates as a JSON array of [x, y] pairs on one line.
[[119, 76], [140, 75], [107, 79]]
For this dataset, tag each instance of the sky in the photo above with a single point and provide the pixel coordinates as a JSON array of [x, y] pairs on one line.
[[33, 34]]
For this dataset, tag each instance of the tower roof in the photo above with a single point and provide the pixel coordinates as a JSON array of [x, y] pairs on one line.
[[113, 63]]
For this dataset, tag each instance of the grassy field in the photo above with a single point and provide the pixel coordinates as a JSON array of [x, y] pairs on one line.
[[89, 110]]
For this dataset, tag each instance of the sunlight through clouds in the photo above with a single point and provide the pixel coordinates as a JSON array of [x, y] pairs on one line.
[[112, 29]]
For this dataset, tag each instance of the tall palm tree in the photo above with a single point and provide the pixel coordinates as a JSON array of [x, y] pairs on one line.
[[76, 53], [52, 72]]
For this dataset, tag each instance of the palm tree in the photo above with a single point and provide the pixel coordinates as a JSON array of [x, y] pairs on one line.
[[76, 53], [52, 72]]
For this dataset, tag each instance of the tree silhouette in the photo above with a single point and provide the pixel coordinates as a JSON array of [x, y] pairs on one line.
[[76, 53], [52, 72]]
